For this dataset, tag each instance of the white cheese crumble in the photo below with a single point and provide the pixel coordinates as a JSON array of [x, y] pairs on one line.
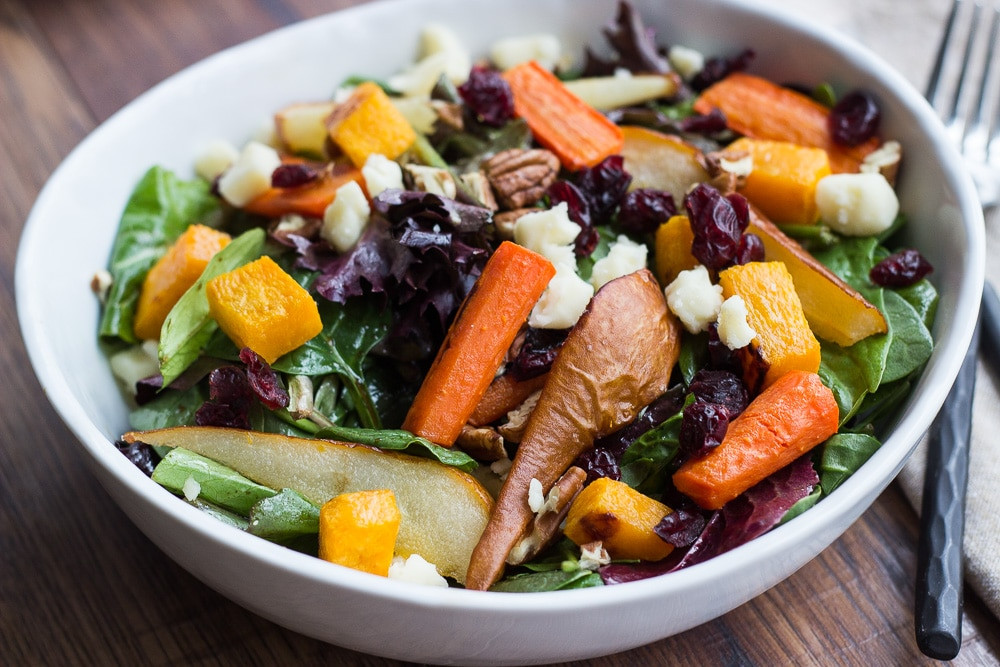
[[434, 180], [437, 38], [415, 570], [686, 61], [135, 363], [563, 301], [536, 495], [381, 173], [191, 489], [856, 204], [346, 216], [543, 48], [250, 175], [734, 330], [215, 158], [539, 231], [625, 256], [694, 299], [593, 555]]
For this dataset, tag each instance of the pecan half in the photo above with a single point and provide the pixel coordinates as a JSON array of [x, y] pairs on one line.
[[520, 177]]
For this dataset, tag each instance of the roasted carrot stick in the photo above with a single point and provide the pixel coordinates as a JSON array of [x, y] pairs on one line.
[[309, 199], [790, 417], [616, 360], [503, 395], [756, 107], [576, 132], [482, 331]]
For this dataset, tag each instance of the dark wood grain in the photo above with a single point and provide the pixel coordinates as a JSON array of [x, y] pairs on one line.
[[79, 584]]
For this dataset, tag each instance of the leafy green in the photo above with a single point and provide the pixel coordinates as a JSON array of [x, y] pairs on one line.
[[553, 580], [160, 208], [283, 517], [645, 465], [693, 355], [188, 326], [842, 455], [220, 514], [349, 333], [802, 505], [398, 440], [910, 343], [220, 485], [169, 408]]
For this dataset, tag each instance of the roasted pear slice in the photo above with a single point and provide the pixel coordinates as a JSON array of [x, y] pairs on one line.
[[661, 161], [616, 360], [444, 510]]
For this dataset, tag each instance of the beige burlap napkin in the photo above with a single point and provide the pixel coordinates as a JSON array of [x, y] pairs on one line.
[[906, 33]]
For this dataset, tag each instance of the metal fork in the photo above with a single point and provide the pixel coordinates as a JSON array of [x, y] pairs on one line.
[[969, 105]]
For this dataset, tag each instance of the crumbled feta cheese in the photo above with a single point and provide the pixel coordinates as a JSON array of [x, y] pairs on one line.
[[543, 48], [538, 231], [625, 256], [563, 301], [135, 363], [345, 218], [415, 570], [215, 158], [686, 61], [191, 489], [536, 496], [734, 330], [250, 175], [694, 299], [856, 204], [381, 173], [437, 38], [434, 180], [420, 78]]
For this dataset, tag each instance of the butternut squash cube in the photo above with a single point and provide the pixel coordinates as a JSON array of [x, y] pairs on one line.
[[673, 249], [359, 529], [261, 307], [172, 275], [784, 339], [621, 518], [368, 122], [784, 177]]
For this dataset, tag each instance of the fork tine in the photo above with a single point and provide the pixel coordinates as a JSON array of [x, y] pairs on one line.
[[977, 138], [942, 54]]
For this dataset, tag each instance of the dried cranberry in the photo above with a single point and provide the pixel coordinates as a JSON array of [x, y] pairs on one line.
[[229, 399], [716, 69], [488, 96], [703, 426], [537, 352], [707, 124], [148, 388], [901, 269], [603, 185], [717, 222], [722, 388], [751, 249], [263, 380], [140, 454], [720, 357], [643, 209], [293, 174], [578, 207], [681, 527], [854, 119], [599, 462]]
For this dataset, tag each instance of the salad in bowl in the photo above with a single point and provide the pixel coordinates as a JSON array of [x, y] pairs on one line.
[[527, 322]]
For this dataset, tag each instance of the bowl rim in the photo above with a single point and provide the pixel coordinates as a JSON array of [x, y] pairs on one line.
[[885, 464]]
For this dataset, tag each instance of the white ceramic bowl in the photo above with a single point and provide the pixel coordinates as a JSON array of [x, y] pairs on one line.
[[70, 231]]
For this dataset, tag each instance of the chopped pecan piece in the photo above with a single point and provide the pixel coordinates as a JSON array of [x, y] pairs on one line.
[[727, 170], [884, 160], [517, 419], [520, 177], [482, 444]]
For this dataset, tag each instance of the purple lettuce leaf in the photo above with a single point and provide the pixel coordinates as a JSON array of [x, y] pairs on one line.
[[633, 43]]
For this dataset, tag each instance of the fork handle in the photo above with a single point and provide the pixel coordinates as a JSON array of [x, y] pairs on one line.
[[942, 518]]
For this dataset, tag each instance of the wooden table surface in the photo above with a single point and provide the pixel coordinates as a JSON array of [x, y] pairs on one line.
[[79, 584]]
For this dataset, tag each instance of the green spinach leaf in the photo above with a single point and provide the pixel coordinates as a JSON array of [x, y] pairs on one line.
[[160, 208], [843, 454], [555, 580], [169, 408], [645, 465], [398, 440]]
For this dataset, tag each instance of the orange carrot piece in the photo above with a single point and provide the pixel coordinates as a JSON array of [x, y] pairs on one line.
[[790, 417], [310, 199], [483, 330], [572, 129], [503, 395], [758, 108]]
